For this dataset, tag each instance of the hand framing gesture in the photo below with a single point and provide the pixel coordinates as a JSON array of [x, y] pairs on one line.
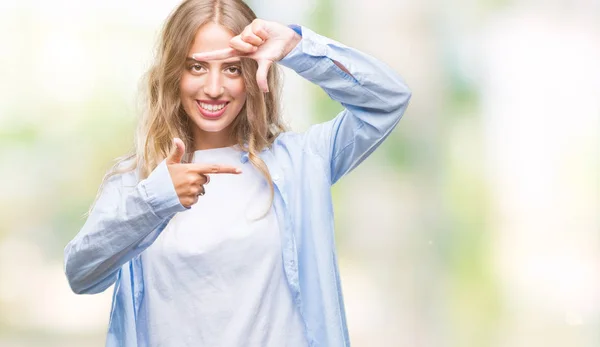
[[264, 41]]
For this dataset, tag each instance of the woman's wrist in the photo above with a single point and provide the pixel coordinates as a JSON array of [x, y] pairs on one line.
[[292, 43]]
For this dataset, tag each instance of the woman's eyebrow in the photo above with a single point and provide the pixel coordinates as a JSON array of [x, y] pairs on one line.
[[234, 60], [192, 60]]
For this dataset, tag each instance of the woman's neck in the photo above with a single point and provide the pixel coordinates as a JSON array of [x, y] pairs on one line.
[[209, 140]]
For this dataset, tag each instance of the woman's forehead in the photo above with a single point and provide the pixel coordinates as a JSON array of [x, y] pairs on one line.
[[210, 37]]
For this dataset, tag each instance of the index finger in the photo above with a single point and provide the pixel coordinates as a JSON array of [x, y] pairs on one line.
[[214, 168], [218, 54]]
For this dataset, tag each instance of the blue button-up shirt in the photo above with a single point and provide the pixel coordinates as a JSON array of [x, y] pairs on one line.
[[130, 214]]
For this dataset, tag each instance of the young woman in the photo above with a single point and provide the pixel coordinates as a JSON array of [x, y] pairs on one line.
[[249, 258]]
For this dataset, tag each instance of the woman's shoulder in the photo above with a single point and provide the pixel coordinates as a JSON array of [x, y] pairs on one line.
[[124, 172], [311, 140], [289, 136], [291, 140], [306, 142]]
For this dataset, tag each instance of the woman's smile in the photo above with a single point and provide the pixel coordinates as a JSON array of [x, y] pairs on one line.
[[211, 109]]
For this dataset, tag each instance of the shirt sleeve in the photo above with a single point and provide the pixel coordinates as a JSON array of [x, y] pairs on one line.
[[123, 222], [374, 97]]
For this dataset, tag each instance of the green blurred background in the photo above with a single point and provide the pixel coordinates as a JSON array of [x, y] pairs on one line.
[[475, 224]]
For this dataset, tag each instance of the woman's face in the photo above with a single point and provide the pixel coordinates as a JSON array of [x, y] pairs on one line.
[[212, 93]]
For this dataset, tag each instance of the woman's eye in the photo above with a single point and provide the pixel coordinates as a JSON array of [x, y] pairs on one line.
[[234, 70], [196, 68]]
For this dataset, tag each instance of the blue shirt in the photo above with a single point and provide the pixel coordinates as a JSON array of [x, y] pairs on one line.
[[130, 214]]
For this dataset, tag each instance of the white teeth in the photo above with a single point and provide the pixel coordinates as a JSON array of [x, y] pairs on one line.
[[211, 108]]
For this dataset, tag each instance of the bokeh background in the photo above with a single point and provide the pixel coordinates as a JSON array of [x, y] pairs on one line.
[[475, 224]]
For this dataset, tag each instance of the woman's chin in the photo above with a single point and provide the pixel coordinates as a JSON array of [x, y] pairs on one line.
[[211, 126]]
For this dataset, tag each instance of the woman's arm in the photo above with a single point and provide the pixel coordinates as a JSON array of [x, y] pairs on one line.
[[374, 97], [123, 222]]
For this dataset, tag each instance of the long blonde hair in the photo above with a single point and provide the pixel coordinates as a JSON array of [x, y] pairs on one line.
[[163, 117]]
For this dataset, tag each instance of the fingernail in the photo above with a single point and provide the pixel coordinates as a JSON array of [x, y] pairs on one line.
[[238, 170]]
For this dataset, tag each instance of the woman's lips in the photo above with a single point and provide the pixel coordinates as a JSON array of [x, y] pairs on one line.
[[211, 114]]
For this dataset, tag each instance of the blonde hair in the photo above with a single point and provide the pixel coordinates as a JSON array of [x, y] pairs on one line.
[[163, 117]]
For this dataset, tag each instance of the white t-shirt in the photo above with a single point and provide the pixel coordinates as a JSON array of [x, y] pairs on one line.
[[218, 270]]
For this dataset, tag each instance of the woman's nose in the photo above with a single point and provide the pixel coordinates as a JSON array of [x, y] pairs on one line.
[[214, 85]]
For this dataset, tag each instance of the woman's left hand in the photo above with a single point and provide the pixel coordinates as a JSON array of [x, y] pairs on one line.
[[264, 41]]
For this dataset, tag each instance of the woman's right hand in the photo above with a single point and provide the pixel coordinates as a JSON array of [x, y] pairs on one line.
[[189, 179]]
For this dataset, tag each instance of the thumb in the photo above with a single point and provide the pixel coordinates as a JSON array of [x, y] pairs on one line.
[[261, 74], [177, 152]]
